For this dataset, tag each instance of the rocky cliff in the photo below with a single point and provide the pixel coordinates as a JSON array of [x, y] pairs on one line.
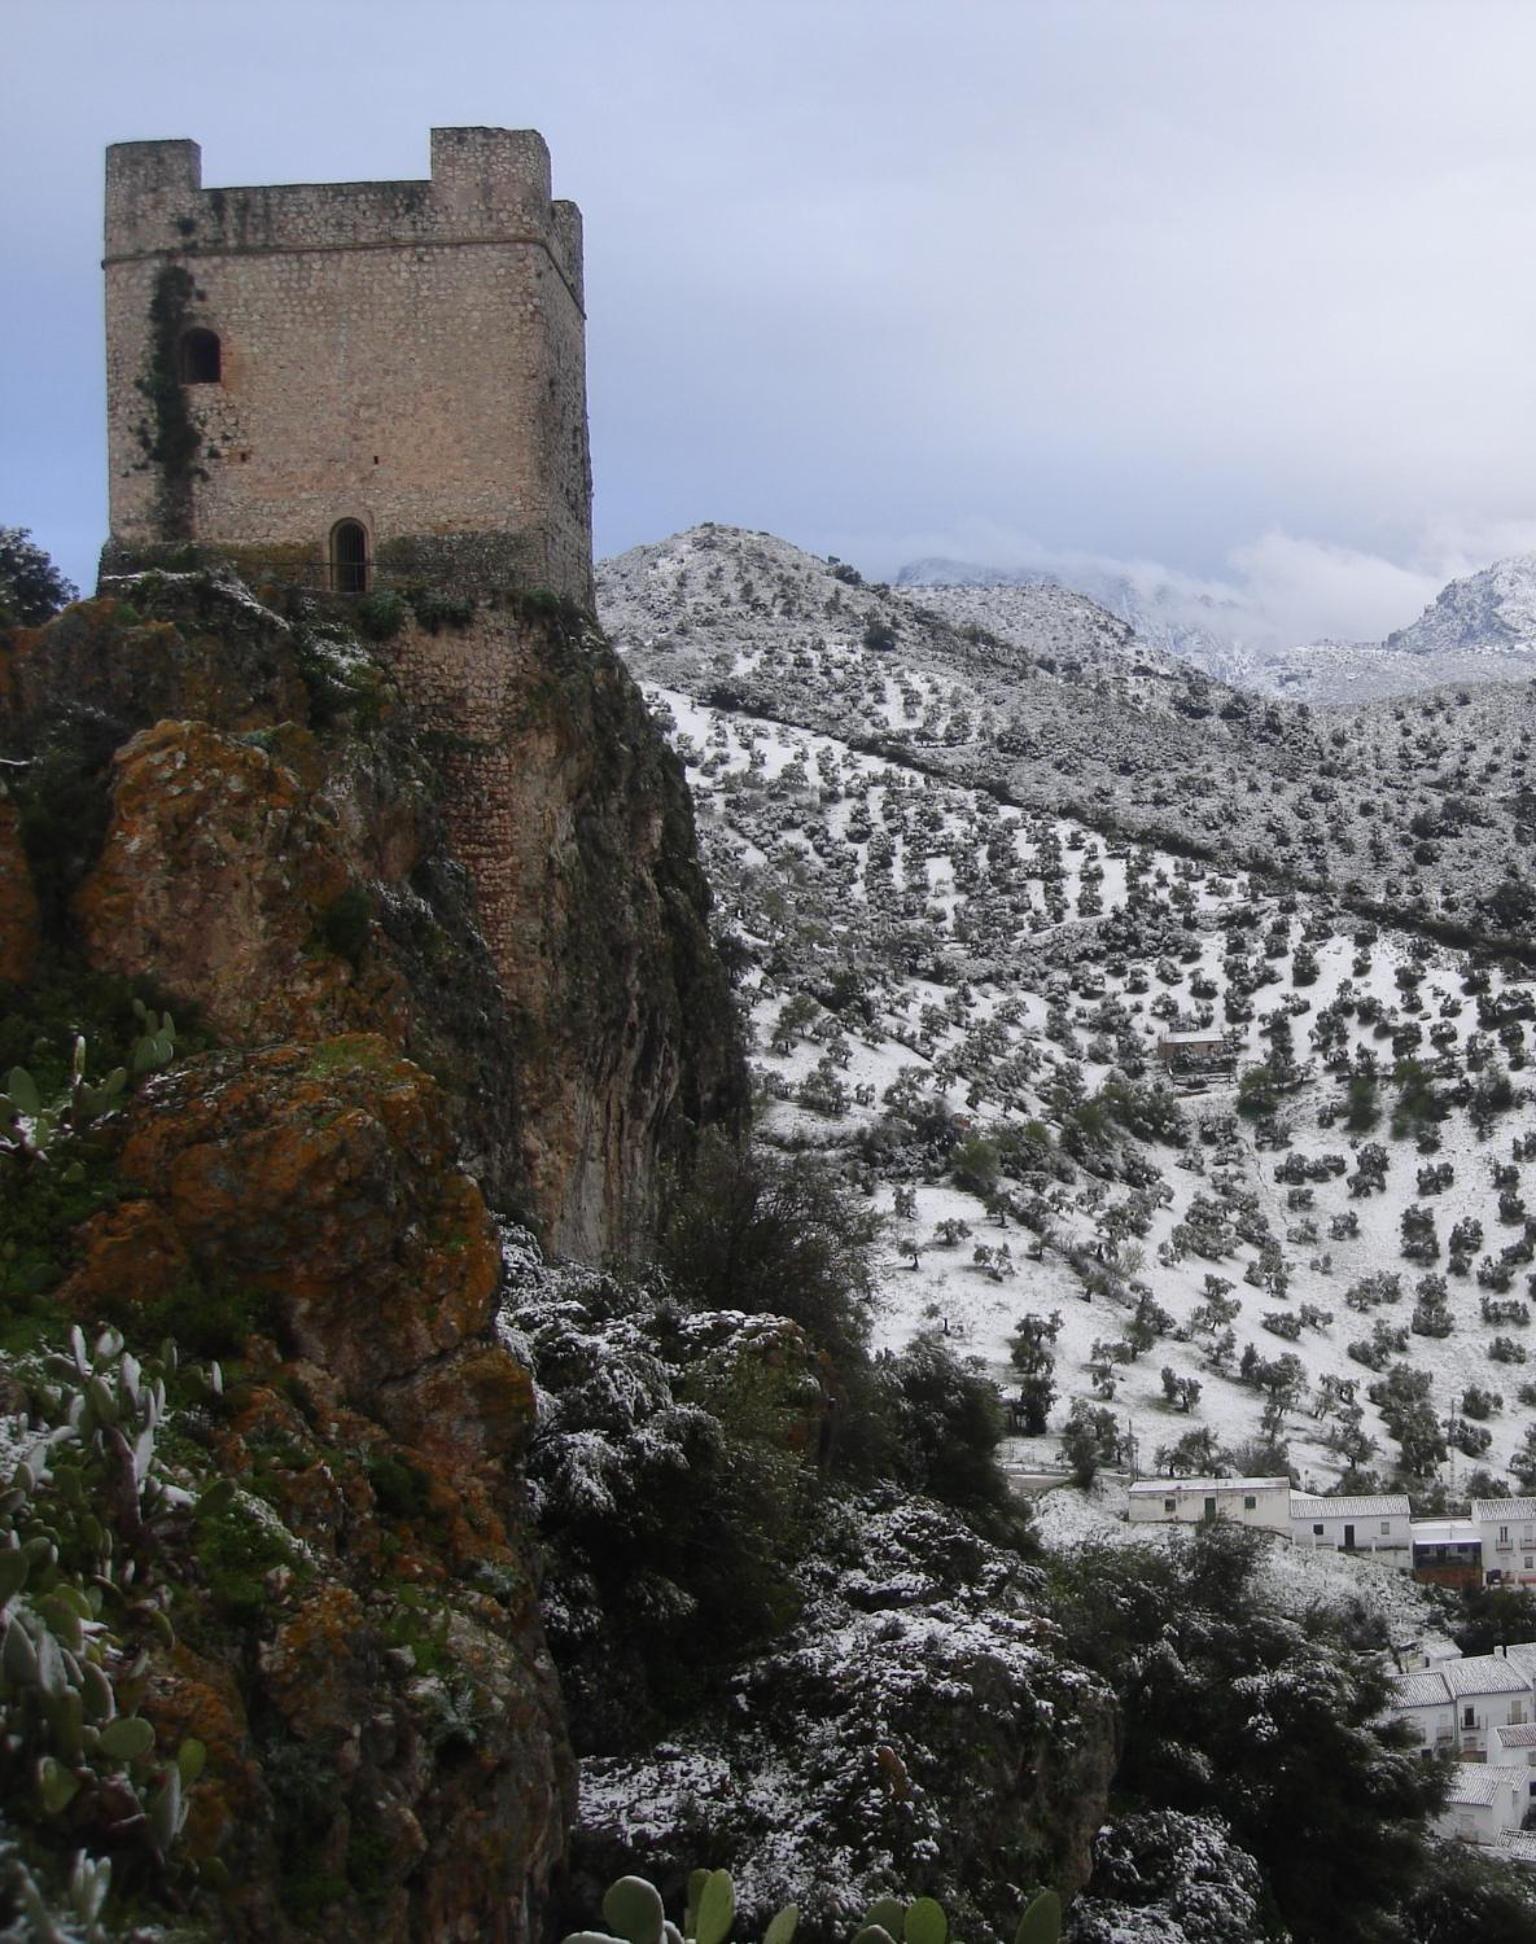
[[502, 880], [312, 1567]]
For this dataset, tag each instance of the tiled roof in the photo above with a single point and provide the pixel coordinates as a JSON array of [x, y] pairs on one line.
[[1485, 1674], [1510, 1511], [1425, 1690], [1474, 1785], [1168, 1487], [1393, 1506], [1519, 1735]]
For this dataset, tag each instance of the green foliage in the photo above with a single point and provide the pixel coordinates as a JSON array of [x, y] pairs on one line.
[[1151, 1112], [403, 1490], [633, 1910], [1213, 1680], [1468, 1893], [1041, 1922], [1090, 1441], [209, 1317], [235, 1550], [62, 808], [1417, 1105], [777, 1237], [51, 1176], [1494, 1616], [436, 610], [171, 438], [1258, 1091], [977, 1166], [381, 615], [346, 923], [78, 1519], [945, 1420], [715, 1910], [31, 587]]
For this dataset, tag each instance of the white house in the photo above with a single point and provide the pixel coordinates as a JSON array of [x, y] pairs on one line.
[[1457, 1704], [1515, 1748], [1485, 1805], [1426, 1704], [1376, 1525], [1508, 1531], [1490, 1691], [1262, 1502]]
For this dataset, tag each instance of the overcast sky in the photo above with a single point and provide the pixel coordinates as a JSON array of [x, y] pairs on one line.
[[1242, 288]]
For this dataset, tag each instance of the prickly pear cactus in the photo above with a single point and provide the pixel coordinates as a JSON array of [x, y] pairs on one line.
[[634, 1913]]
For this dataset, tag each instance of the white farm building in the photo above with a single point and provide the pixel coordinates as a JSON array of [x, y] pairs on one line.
[[1377, 1525], [1261, 1502], [1457, 1705]]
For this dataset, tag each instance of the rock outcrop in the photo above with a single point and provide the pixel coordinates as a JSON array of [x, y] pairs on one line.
[[422, 965], [577, 827], [358, 1637], [501, 880]]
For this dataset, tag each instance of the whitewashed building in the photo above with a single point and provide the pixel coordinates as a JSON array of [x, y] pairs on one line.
[[1375, 1525], [1424, 1702], [1261, 1502], [1508, 1531], [1456, 1705], [1515, 1748], [1485, 1805]]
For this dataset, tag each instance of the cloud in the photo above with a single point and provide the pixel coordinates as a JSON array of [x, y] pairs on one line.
[[1293, 589], [1277, 591]]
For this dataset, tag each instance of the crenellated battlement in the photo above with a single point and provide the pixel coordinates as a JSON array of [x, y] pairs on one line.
[[487, 186]]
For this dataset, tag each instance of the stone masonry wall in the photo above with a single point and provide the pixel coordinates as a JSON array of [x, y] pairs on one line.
[[576, 824], [406, 354]]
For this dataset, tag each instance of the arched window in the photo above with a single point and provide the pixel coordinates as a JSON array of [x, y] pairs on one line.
[[201, 362], [349, 557]]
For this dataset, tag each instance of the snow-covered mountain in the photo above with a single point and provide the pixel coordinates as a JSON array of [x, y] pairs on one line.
[[1194, 627], [1038, 694], [1491, 613], [1481, 628]]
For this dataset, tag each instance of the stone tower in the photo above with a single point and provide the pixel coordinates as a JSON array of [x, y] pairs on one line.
[[351, 385]]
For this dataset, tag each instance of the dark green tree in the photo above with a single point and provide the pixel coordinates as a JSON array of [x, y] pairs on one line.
[[31, 587]]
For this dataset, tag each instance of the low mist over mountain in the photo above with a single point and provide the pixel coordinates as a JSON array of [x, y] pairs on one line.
[[1198, 628], [1481, 628]]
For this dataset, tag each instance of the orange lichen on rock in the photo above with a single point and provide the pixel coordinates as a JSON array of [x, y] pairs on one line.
[[219, 868], [131, 1255], [325, 1177], [191, 1697]]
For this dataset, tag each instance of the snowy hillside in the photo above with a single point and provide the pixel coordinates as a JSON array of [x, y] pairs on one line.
[[1039, 696], [1490, 613], [1202, 630], [962, 998]]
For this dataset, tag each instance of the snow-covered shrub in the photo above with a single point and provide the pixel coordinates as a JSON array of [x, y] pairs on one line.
[[879, 1742], [1161, 1877]]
